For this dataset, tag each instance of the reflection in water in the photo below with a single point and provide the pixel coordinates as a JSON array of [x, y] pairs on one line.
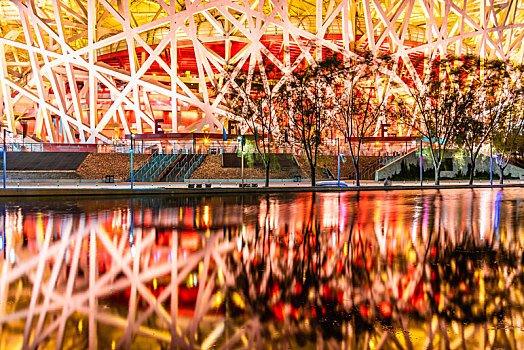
[[395, 269]]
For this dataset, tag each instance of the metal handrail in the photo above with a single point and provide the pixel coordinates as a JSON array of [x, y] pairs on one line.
[[194, 165], [154, 166], [179, 175], [172, 173], [164, 162]]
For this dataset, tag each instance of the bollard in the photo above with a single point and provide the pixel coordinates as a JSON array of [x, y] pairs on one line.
[[77, 184], [96, 184]]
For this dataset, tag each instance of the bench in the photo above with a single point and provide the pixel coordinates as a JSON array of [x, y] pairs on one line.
[[199, 185], [110, 179], [248, 185]]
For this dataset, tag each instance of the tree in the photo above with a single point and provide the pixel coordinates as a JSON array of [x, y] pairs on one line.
[[305, 102], [438, 104], [357, 103], [507, 136], [490, 84], [251, 98]]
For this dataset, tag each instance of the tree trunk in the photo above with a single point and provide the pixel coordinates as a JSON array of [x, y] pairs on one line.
[[437, 175], [472, 171], [357, 171], [268, 163], [313, 175], [501, 175]]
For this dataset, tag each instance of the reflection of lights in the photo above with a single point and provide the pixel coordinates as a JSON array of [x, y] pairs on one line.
[[113, 345], [385, 308], [218, 300], [12, 256], [237, 299], [133, 251], [206, 216], [80, 326], [154, 283], [482, 291], [412, 256], [497, 213], [239, 244], [220, 276], [455, 327]]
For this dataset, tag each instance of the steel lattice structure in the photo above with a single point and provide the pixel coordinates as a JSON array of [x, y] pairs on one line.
[[89, 71]]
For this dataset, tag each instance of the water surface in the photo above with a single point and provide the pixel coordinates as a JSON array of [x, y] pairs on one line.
[[395, 269]]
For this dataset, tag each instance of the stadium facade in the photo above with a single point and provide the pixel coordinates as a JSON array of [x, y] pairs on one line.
[[78, 71]]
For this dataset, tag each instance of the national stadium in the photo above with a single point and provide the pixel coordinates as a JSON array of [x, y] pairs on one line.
[[92, 72]]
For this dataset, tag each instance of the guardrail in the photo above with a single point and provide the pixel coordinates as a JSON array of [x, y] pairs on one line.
[[199, 160], [174, 147]]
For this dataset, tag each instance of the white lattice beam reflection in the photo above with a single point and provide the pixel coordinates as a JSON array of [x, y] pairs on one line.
[[93, 71]]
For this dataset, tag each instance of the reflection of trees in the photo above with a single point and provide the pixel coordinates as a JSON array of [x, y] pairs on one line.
[[343, 287]]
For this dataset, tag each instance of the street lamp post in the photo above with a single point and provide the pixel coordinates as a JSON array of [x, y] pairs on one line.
[[4, 150], [131, 151], [421, 164], [4, 165], [491, 163], [242, 159], [338, 159]]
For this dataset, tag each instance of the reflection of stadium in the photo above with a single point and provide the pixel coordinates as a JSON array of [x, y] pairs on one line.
[[89, 71], [224, 272]]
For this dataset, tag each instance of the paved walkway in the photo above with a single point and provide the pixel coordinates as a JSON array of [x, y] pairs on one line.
[[100, 188]]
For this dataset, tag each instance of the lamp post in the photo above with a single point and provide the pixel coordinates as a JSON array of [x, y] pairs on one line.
[[4, 165], [131, 151], [242, 159], [421, 164], [4, 150], [491, 163], [338, 160]]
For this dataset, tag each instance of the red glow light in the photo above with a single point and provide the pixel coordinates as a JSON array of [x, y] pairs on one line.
[[385, 308]]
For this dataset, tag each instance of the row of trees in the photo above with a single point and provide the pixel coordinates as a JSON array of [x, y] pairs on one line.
[[461, 102]]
